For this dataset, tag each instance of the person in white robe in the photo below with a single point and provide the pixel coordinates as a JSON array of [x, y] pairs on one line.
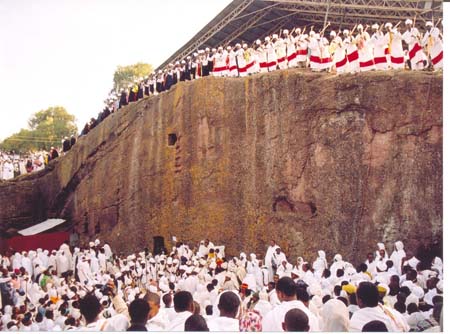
[[398, 255], [268, 259], [338, 263], [379, 42], [432, 43], [286, 291], [352, 52], [370, 310], [26, 263], [62, 264], [8, 170], [335, 316], [412, 37], [320, 264], [183, 311], [365, 50], [228, 305]]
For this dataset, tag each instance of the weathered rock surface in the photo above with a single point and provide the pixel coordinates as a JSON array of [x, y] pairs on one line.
[[313, 160]]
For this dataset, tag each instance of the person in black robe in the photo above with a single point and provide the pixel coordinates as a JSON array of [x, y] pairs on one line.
[[205, 68], [66, 144], [151, 86], [194, 66], [106, 112], [176, 73], [93, 123], [53, 153], [123, 99], [140, 93], [187, 68], [182, 70], [160, 82], [85, 130], [169, 80], [73, 140], [211, 60], [147, 86], [100, 117], [132, 96]]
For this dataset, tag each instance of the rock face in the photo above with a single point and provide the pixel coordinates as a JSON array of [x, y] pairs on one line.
[[311, 160]]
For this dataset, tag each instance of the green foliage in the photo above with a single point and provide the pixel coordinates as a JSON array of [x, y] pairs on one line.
[[47, 128], [127, 74]]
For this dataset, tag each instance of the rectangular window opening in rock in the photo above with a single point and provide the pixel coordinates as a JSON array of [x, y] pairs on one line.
[[172, 139]]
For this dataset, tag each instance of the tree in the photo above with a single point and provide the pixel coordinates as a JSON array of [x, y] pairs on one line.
[[47, 128], [127, 74]]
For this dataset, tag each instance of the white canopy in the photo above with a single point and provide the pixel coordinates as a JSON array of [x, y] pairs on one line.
[[41, 227]]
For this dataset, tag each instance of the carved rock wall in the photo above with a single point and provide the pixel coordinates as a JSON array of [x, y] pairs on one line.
[[312, 160]]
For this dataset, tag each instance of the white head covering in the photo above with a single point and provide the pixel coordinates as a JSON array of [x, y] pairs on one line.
[[399, 245], [388, 25], [322, 254], [335, 316], [375, 26], [408, 21]]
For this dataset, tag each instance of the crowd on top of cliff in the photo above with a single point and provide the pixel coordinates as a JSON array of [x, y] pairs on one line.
[[384, 48], [13, 164], [202, 288]]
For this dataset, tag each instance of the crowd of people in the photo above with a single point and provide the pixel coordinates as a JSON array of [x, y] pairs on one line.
[[202, 289], [384, 48], [13, 164]]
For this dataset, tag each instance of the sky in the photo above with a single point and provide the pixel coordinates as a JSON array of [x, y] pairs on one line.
[[65, 52]]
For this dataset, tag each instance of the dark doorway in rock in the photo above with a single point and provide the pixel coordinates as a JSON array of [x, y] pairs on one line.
[[97, 228], [172, 139], [158, 245]]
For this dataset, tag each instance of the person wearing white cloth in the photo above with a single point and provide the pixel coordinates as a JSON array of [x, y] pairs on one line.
[[370, 310], [287, 293], [397, 256], [158, 319], [268, 258], [229, 305], [184, 306], [8, 170], [320, 264], [412, 37], [26, 263], [335, 316], [433, 45], [62, 264], [338, 263]]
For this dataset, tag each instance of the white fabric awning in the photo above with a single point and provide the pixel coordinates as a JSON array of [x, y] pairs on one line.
[[41, 227]]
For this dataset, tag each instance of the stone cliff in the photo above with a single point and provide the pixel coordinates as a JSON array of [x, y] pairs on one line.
[[312, 160]]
